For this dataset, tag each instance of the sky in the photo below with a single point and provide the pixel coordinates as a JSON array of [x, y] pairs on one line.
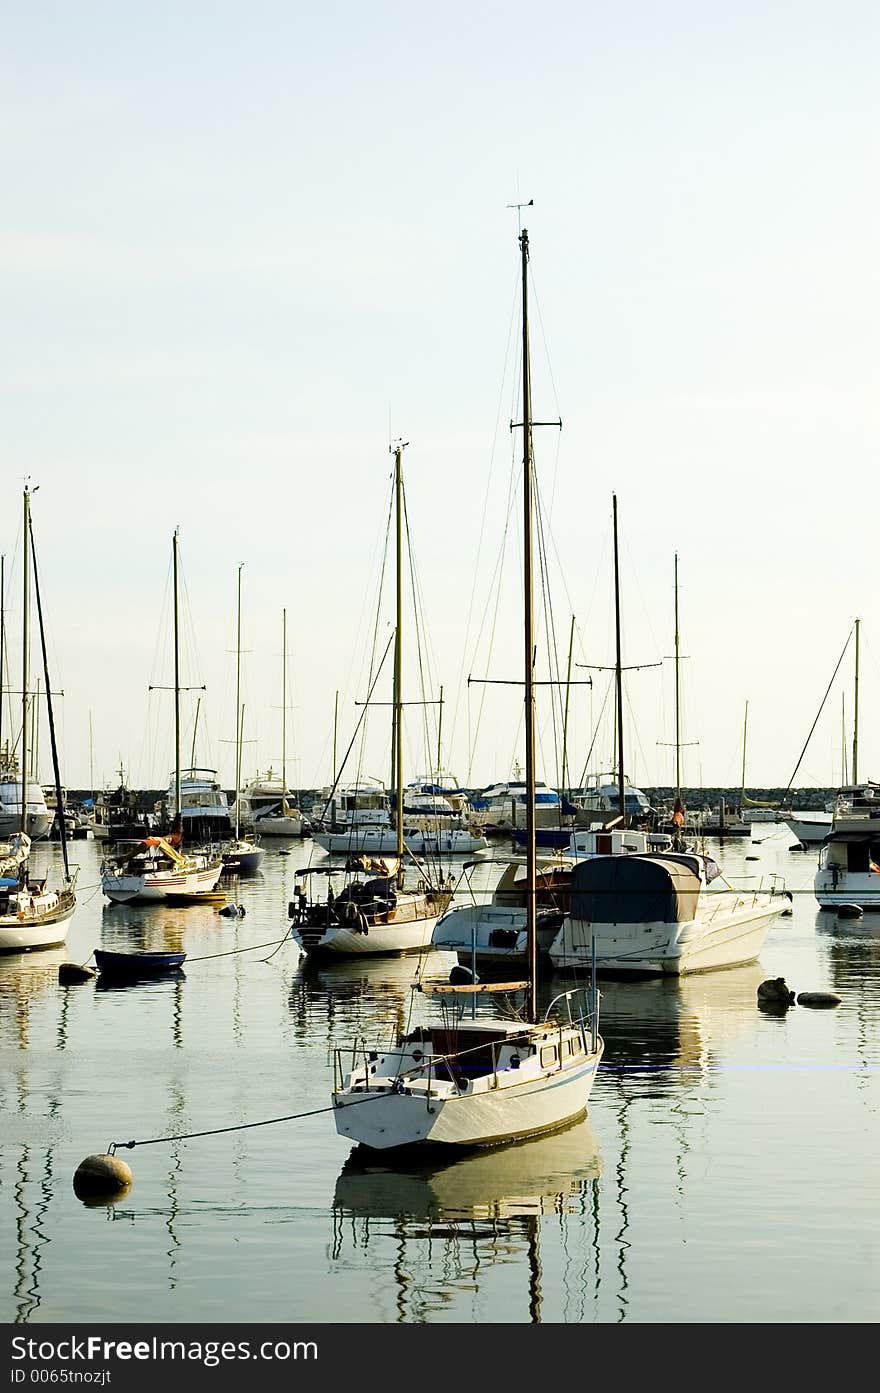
[[245, 248]]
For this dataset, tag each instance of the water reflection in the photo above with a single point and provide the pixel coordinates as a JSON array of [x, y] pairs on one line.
[[668, 1027], [442, 1228]]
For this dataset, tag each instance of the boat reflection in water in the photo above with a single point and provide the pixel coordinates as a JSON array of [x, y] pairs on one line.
[[443, 1228], [669, 1026]]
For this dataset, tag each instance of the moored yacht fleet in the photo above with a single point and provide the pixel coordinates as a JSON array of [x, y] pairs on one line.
[[591, 879]]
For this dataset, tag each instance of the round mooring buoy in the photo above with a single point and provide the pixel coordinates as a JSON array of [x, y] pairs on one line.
[[72, 972], [101, 1175], [849, 911], [818, 999]]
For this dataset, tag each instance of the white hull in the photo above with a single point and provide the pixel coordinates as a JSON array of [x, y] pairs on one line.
[[471, 929], [43, 931], [158, 885], [402, 1103], [848, 887], [278, 826], [812, 832], [381, 938], [718, 937], [38, 824], [372, 841]]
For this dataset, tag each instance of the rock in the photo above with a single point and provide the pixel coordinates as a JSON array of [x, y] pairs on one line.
[[68, 973], [818, 999], [775, 990], [230, 910]]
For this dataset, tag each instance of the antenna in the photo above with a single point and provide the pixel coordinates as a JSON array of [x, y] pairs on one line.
[[519, 207]]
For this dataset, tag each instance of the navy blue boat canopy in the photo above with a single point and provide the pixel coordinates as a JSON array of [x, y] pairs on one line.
[[629, 889]]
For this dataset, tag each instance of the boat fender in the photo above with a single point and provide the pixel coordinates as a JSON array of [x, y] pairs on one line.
[[818, 999]]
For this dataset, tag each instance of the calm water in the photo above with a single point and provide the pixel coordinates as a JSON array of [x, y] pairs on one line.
[[726, 1171]]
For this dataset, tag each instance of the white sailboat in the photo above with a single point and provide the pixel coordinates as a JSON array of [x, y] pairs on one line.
[[849, 861], [486, 1080], [264, 805], [241, 856], [32, 914], [158, 867], [12, 787], [662, 911], [377, 914]]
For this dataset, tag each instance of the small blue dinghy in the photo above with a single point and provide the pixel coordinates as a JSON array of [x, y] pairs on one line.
[[137, 964]]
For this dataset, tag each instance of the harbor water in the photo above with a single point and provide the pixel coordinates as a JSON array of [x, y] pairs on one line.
[[726, 1170]]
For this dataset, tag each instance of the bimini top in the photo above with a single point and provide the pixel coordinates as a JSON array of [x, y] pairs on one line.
[[635, 889]]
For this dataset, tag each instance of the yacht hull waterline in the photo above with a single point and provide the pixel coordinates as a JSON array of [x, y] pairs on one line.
[[497, 1109]]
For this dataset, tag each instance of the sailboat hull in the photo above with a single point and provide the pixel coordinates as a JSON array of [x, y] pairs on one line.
[[507, 1113], [148, 889], [341, 941], [44, 929]]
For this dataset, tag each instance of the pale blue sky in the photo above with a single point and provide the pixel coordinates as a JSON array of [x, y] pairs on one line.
[[239, 241]]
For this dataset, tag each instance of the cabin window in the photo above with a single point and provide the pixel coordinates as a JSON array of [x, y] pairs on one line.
[[857, 856], [548, 1056]]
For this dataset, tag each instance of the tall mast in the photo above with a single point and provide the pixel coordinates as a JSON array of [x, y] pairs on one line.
[[743, 787], [397, 743], [91, 760], [855, 755], [238, 712], [528, 643], [677, 695], [59, 792], [621, 793], [25, 640], [439, 734], [2, 640], [177, 808], [284, 705], [565, 717]]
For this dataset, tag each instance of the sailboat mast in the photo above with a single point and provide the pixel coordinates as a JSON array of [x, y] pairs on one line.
[[238, 712], [2, 640], [677, 695], [25, 641], [397, 745], [618, 669], [177, 808], [743, 786], [565, 717], [284, 705], [855, 754], [59, 792], [529, 644]]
